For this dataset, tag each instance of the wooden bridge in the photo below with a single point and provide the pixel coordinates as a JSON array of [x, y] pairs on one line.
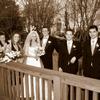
[[55, 85]]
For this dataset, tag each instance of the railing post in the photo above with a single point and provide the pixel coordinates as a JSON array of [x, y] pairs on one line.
[[78, 93], [3, 82], [95, 96], [57, 91]]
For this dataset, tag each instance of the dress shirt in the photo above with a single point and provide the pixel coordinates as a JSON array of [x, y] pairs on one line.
[[44, 41], [69, 45], [93, 43]]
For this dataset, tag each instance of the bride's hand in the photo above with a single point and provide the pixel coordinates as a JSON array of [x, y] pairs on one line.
[[41, 51]]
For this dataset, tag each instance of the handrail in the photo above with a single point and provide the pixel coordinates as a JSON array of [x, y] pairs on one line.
[[63, 78], [76, 80]]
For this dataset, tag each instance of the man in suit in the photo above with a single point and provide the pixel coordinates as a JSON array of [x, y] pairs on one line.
[[91, 54], [69, 53], [47, 43]]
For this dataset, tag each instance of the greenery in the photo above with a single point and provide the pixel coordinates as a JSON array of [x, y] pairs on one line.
[[39, 13], [10, 19], [44, 12], [83, 14]]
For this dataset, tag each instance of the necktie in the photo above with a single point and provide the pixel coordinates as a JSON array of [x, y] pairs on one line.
[[69, 47], [92, 46], [44, 41]]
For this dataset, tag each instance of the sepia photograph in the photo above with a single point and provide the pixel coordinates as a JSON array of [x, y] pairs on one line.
[[49, 49]]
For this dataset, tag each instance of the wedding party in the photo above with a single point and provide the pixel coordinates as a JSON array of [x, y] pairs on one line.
[[50, 50]]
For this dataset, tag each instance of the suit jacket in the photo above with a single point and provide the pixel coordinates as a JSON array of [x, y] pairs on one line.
[[91, 63], [64, 60], [49, 48]]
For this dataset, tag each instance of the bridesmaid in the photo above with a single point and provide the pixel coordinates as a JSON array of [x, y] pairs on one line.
[[16, 47], [3, 44]]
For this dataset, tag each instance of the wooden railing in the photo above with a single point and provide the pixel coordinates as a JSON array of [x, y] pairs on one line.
[[23, 82]]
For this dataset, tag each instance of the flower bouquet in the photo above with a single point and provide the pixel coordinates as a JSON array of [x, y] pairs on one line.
[[9, 56], [40, 51]]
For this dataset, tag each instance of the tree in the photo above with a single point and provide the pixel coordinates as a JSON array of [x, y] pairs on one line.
[[10, 19], [82, 13], [39, 13]]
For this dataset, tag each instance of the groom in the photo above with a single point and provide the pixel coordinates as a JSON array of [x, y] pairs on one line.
[[47, 43]]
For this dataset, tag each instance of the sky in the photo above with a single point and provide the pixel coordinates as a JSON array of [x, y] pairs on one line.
[[19, 2]]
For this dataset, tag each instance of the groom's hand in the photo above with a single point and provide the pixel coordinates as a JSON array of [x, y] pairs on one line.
[[73, 60]]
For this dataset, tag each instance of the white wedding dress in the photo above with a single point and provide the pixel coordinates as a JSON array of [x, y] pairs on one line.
[[35, 62]]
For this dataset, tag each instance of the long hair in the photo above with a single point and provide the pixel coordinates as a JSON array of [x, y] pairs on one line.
[[29, 39], [6, 41]]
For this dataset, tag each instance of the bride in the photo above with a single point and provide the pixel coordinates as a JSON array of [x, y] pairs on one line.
[[33, 52]]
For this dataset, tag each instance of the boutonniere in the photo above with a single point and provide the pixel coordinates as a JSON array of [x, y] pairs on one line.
[[49, 41], [97, 45], [74, 46]]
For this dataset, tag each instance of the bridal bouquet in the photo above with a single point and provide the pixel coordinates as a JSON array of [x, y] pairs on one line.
[[40, 51], [9, 56]]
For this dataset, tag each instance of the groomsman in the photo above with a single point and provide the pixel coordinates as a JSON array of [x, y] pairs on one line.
[[91, 54], [47, 43], [69, 52]]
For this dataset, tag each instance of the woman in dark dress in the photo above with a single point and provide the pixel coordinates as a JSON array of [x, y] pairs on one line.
[[16, 47]]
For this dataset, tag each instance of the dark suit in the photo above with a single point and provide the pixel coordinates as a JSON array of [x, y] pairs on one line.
[[91, 63], [47, 58], [64, 60]]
